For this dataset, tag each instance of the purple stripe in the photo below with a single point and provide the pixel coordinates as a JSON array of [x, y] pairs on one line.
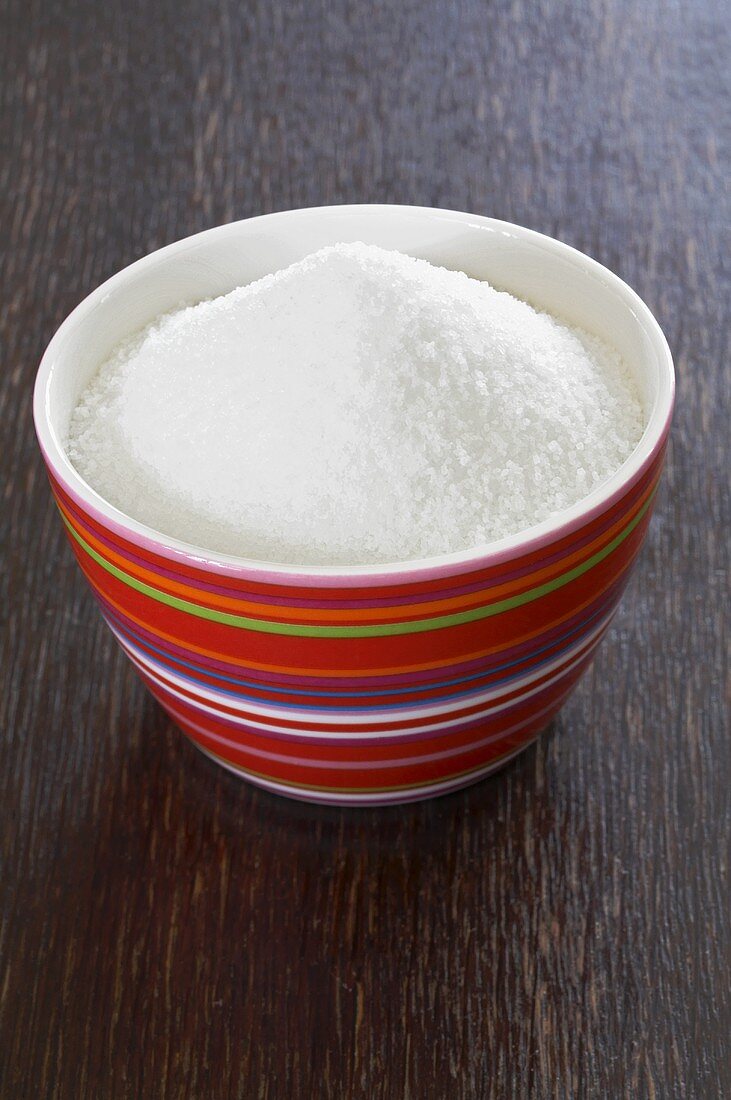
[[399, 797], [365, 682], [279, 734], [356, 764], [357, 702], [467, 564], [374, 602]]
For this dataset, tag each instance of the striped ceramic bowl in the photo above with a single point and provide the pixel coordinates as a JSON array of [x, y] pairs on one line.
[[361, 685]]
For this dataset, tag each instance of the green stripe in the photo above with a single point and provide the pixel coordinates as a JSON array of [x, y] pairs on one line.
[[364, 631]]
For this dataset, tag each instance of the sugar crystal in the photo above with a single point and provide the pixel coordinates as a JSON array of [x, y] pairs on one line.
[[358, 407]]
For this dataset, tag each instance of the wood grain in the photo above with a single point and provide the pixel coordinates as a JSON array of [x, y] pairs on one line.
[[561, 930]]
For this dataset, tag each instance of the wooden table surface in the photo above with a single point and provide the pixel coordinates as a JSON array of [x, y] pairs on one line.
[[560, 930]]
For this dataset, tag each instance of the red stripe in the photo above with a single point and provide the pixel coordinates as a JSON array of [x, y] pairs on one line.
[[408, 774], [390, 721], [362, 653], [250, 587]]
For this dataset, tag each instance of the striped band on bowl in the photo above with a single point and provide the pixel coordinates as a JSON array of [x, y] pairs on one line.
[[374, 690]]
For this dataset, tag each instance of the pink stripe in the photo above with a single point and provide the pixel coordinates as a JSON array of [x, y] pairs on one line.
[[376, 576], [386, 798], [365, 682], [432, 714], [374, 707], [344, 604], [356, 764], [169, 700]]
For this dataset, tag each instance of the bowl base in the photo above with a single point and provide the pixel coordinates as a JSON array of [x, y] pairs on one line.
[[366, 799]]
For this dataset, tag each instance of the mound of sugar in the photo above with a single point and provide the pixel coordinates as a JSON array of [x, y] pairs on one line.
[[358, 407]]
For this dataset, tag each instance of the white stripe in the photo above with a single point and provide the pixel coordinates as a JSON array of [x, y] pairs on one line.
[[348, 718], [376, 798], [366, 765], [354, 733]]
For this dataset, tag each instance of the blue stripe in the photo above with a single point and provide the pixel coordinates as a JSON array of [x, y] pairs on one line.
[[169, 662]]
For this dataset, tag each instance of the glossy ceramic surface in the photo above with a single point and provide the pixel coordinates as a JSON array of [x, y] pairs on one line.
[[362, 685]]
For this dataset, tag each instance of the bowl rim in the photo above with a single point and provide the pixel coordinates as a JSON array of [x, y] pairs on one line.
[[479, 557]]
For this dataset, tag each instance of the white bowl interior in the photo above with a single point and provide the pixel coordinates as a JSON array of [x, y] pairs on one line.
[[545, 272]]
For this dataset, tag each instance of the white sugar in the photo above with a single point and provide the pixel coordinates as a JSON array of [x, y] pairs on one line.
[[358, 407]]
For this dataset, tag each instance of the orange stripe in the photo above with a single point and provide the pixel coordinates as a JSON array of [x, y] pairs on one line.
[[354, 673], [279, 613]]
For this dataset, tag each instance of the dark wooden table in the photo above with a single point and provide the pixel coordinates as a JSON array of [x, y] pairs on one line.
[[561, 930]]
